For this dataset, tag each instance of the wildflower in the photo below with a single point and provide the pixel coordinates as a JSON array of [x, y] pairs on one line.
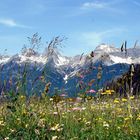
[[51, 99], [107, 92], [103, 93], [119, 127], [41, 123], [37, 132], [54, 137], [89, 97], [22, 97], [57, 128], [47, 87], [126, 119], [18, 120], [26, 126], [131, 97], [12, 130], [74, 138], [79, 119], [138, 118], [91, 91], [55, 113], [91, 82], [63, 95], [88, 123], [7, 138], [116, 101], [105, 124], [124, 100], [2, 123], [76, 108], [79, 75], [100, 119]]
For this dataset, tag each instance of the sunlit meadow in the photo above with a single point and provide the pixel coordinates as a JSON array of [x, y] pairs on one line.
[[58, 118]]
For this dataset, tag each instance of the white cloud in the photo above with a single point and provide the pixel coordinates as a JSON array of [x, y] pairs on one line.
[[11, 23], [92, 39], [110, 6], [95, 5]]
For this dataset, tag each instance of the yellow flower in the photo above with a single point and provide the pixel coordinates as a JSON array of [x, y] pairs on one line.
[[22, 97], [126, 119], [2, 123], [116, 101], [124, 100], [108, 92], [138, 118], [132, 97], [103, 93], [26, 126]]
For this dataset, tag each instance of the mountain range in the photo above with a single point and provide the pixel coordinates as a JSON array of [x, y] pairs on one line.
[[69, 75]]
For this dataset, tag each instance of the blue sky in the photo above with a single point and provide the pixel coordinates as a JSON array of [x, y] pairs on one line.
[[86, 23]]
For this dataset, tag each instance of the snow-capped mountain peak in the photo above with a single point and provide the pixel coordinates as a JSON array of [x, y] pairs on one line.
[[104, 48]]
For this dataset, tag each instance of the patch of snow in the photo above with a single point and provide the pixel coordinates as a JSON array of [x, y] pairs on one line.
[[37, 59], [66, 78], [4, 60], [117, 59], [62, 61]]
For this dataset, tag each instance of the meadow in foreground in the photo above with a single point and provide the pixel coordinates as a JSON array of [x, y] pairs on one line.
[[68, 119]]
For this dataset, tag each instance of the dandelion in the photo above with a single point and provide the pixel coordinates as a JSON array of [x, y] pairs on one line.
[[138, 117], [131, 97], [108, 92], [126, 119], [116, 101], [124, 100], [22, 97]]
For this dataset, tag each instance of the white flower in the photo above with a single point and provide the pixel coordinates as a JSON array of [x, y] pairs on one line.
[[54, 137]]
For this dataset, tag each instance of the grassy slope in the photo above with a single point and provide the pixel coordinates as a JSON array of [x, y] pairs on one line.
[[101, 119]]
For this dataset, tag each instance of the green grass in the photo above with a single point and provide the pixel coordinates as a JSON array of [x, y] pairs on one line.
[[96, 119]]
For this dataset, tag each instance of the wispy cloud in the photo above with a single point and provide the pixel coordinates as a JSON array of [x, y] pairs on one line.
[[95, 38], [95, 5], [12, 23], [110, 6]]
